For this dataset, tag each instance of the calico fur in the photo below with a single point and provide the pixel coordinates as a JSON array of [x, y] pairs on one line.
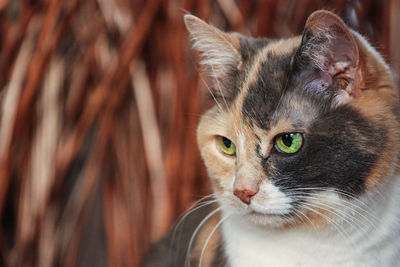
[[332, 203]]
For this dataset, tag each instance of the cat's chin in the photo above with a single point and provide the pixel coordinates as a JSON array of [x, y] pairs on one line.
[[260, 217], [270, 220], [265, 215]]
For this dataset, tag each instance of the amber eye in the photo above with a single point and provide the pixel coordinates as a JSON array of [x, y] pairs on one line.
[[289, 143], [226, 145]]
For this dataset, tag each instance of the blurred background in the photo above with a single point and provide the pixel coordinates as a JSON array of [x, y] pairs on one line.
[[99, 105]]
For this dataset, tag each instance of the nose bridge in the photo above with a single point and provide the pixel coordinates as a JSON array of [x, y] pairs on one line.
[[248, 177], [249, 173]]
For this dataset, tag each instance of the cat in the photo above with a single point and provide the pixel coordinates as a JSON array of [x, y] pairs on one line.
[[302, 151]]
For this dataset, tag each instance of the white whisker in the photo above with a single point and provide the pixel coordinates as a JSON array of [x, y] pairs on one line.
[[306, 217], [187, 261], [209, 238], [180, 222], [366, 208], [341, 231], [195, 206], [347, 217], [347, 205]]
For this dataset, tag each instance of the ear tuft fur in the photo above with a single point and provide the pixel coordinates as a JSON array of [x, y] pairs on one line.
[[328, 41], [219, 51], [329, 46]]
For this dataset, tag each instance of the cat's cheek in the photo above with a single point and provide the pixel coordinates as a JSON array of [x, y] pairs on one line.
[[375, 108], [220, 167]]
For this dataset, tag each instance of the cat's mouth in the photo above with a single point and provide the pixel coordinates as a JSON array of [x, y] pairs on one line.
[[265, 215], [267, 219], [258, 210]]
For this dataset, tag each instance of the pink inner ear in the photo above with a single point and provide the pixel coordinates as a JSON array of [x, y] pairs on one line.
[[343, 48], [325, 79], [334, 42], [321, 82]]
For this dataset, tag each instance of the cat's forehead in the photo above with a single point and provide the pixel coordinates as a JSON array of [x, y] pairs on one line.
[[263, 99]]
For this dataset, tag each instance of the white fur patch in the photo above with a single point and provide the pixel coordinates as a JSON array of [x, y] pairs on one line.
[[270, 200], [365, 237]]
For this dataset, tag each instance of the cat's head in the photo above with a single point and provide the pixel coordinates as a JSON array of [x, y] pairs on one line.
[[302, 127]]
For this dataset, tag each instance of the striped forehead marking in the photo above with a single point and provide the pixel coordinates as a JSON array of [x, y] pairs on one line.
[[265, 81]]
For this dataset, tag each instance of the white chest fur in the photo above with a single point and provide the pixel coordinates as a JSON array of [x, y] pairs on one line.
[[376, 245]]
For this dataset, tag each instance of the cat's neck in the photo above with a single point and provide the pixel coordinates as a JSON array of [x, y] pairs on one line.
[[367, 241]]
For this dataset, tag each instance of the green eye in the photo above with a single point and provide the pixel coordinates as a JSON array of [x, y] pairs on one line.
[[289, 143], [226, 145]]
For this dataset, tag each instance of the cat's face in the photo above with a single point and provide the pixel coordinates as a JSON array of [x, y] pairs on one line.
[[302, 128]]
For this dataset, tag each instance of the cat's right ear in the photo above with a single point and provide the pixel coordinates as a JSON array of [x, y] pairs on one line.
[[219, 51], [330, 46]]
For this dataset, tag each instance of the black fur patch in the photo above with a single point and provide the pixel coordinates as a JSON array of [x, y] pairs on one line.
[[250, 46], [342, 146], [230, 86], [263, 96], [339, 152]]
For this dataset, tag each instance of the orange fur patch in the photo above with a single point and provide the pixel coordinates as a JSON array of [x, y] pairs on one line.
[[376, 100]]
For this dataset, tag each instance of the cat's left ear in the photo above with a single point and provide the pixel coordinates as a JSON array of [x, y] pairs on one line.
[[219, 51], [330, 46]]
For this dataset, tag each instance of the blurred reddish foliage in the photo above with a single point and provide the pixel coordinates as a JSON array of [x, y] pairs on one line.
[[99, 105]]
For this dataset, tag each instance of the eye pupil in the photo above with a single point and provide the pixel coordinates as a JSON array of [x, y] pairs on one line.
[[287, 139], [226, 146], [289, 143], [226, 142]]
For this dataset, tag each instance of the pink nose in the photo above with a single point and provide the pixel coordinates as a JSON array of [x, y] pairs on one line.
[[245, 195]]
